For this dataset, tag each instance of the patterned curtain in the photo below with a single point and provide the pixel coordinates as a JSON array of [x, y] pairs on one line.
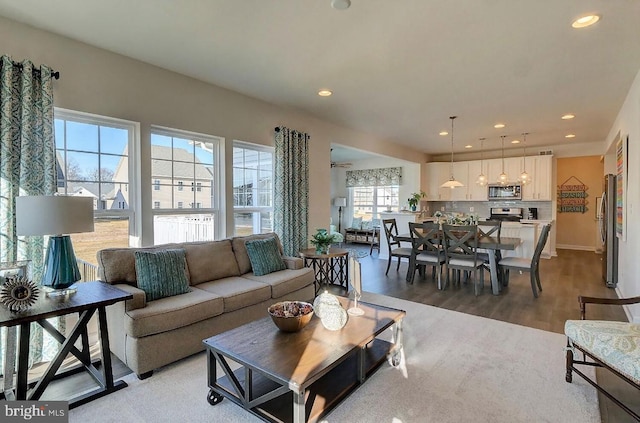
[[27, 167], [374, 177], [291, 196]]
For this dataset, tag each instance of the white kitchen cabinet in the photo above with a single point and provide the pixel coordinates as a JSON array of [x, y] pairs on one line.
[[437, 174], [476, 192], [461, 173], [526, 233], [540, 187]]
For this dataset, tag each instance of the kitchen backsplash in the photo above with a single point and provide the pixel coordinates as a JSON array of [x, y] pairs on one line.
[[483, 208]]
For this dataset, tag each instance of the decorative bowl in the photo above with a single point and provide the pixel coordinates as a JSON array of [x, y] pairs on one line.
[[291, 316]]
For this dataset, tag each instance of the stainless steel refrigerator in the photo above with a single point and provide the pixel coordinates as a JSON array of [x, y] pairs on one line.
[[607, 222]]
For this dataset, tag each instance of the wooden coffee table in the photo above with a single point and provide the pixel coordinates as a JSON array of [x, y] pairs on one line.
[[299, 377]]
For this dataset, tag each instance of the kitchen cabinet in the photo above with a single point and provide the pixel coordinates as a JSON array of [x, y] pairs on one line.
[[438, 173], [540, 187], [476, 192], [527, 234], [461, 173], [549, 247]]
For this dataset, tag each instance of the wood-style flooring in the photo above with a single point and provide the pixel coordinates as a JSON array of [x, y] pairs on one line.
[[565, 277]]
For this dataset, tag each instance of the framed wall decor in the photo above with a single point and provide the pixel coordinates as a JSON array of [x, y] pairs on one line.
[[621, 183]]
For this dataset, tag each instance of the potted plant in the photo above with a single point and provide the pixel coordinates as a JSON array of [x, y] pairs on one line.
[[322, 240], [414, 199]]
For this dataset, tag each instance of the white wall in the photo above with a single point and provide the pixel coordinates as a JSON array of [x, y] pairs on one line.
[[628, 123], [97, 81]]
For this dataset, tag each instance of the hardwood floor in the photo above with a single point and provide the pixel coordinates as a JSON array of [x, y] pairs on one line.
[[565, 277]]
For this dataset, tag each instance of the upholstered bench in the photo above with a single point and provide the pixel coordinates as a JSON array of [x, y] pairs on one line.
[[609, 344]]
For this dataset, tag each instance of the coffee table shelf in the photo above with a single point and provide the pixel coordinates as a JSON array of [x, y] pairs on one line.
[[317, 368]]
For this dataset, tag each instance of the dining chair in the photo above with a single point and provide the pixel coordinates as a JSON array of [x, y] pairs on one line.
[[395, 248], [425, 250], [525, 264], [489, 228], [461, 253]]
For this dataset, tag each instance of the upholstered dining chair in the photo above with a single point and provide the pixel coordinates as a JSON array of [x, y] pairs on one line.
[[461, 253], [425, 250], [395, 248], [525, 264]]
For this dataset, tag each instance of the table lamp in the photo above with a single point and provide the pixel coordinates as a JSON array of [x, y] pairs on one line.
[[56, 216], [340, 202]]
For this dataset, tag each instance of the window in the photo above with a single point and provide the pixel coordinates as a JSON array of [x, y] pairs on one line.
[[252, 188], [368, 202], [180, 158], [156, 204], [95, 158], [156, 185]]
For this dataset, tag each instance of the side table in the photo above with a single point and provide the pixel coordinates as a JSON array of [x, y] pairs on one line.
[[329, 269], [89, 298]]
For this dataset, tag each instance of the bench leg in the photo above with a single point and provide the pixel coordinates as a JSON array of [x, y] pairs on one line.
[[569, 375]]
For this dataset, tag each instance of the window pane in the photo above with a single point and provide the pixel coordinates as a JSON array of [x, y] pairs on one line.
[[184, 171], [113, 140], [204, 196], [59, 133], [161, 170], [157, 142], [82, 136], [183, 228], [247, 223], [204, 152], [82, 166], [182, 195], [107, 233]]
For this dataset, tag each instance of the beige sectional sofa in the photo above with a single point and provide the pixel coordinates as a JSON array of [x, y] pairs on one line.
[[224, 293]]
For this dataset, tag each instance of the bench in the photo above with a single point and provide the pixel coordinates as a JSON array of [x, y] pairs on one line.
[[612, 345], [364, 236]]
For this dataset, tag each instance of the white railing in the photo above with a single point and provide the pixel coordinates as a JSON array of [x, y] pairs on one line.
[[88, 271], [169, 229]]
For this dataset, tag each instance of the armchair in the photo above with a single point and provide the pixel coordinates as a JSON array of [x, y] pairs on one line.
[[608, 344]]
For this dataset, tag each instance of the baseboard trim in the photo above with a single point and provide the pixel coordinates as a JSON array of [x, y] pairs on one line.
[[575, 247]]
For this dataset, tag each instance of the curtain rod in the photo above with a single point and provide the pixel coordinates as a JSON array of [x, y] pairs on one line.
[[54, 74]]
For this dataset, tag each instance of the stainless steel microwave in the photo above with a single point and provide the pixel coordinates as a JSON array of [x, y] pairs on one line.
[[505, 192]]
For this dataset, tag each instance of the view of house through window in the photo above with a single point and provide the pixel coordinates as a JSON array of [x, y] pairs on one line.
[[252, 188], [93, 157], [368, 202], [178, 160]]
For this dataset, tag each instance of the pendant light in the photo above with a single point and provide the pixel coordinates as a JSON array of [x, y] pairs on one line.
[[452, 183], [482, 179], [503, 178], [524, 176]]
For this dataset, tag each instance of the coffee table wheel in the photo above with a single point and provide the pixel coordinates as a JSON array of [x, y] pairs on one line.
[[214, 398]]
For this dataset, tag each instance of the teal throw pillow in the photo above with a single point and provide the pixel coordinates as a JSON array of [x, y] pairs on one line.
[[265, 257], [356, 223], [162, 273]]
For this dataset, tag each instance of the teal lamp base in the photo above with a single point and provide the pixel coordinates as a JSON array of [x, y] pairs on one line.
[[61, 268]]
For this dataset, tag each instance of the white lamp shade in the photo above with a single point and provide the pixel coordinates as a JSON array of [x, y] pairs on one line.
[[340, 201], [53, 215]]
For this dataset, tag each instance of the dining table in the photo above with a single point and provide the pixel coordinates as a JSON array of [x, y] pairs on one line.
[[492, 244]]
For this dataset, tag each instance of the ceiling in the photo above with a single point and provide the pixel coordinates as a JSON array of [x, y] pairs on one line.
[[397, 69]]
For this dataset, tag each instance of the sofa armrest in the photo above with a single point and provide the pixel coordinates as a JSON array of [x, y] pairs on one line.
[[293, 263], [139, 299]]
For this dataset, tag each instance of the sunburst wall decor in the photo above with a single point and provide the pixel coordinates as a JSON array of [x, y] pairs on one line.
[[18, 294]]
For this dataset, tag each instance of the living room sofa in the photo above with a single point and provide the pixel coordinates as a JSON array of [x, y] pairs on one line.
[[224, 293]]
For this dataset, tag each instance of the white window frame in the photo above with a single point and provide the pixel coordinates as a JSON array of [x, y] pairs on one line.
[[375, 209], [217, 188], [134, 186]]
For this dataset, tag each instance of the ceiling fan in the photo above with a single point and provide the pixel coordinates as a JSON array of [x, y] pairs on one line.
[[341, 164]]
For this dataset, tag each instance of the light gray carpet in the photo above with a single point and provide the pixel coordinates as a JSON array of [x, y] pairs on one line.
[[457, 368]]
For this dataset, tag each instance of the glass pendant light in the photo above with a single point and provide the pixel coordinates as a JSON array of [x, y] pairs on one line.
[[452, 183], [482, 179], [524, 176], [502, 178]]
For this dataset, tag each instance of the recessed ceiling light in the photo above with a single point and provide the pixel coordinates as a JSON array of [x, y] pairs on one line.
[[570, 136], [568, 116], [341, 4], [324, 93], [515, 142], [443, 133], [468, 146], [585, 21], [499, 125]]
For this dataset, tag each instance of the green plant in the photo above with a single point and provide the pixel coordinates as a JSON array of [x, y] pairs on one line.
[[415, 198], [322, 239]]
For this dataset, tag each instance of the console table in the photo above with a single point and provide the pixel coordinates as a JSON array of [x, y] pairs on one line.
[[89, 298]]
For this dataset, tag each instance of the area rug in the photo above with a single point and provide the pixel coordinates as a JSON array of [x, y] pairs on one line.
[[456, 368]]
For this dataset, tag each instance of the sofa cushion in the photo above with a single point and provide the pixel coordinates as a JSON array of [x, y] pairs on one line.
[[171, 313], [615, 343], [162, 273], [285, 281], [240, 250], [118, 265], [264, 256], [208, 261], [238, 292]]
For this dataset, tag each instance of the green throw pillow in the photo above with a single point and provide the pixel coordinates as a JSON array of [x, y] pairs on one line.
[[264, 256], [162, 273]]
